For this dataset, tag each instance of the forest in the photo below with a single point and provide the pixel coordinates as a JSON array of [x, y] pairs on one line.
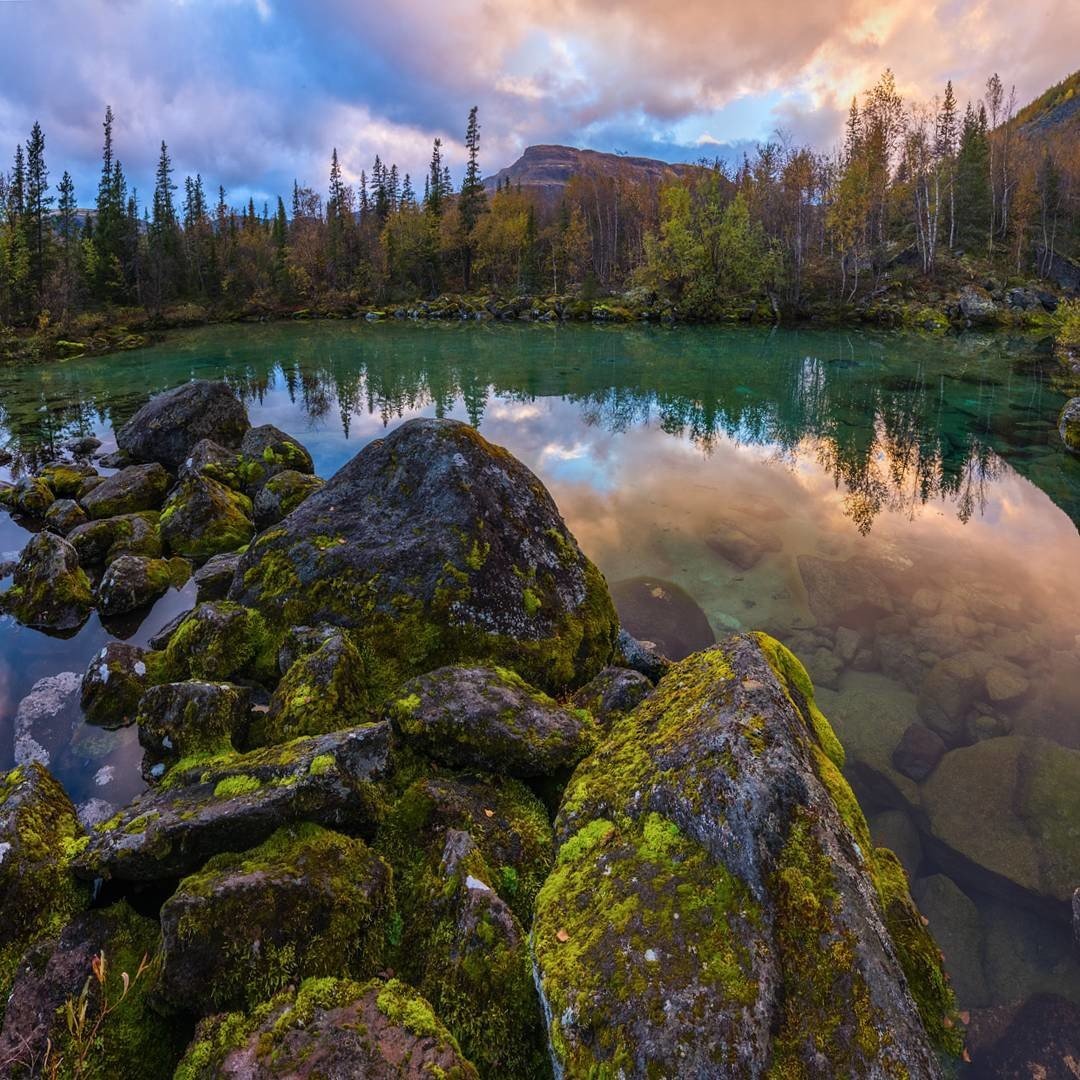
[[933, 193]]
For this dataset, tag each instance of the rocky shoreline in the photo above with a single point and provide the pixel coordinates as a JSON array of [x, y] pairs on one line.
[[418, 806]]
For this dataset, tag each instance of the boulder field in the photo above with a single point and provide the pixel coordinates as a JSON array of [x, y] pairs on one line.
[[419, 807]]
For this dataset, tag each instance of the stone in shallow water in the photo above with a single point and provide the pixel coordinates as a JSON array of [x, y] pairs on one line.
[[132, 582], [136, 488], [213, 578], [843, 593], [740, 547], [430, 544], [114, 681], [169, 425], [64, 515], [918, 752], [202, 517], [108, 538], [664, 613], [50, 591], [46, 718], [713, 820], [957, 928]]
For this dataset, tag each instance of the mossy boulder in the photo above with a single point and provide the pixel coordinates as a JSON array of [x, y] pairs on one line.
[[434, 546], [219, 640], [114, 682], [50, 591], [108, 538], [266, 451], [65, 478], [1069, 425], [612, 694], [135, 581], [207, 805], [190, 719], [718, 907], [324, 690], [203, 517], [1026, 835], [208, 458], [213, 578], [39, 835], [490, 718], [136, 488], [307, 902], [31, 496], [169, 425], [64, 515], [508, 823], [133, 1039], [329, 1028], [473, 966], [281, 495]]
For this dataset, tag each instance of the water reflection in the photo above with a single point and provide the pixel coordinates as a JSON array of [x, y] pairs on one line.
[[897, 509]]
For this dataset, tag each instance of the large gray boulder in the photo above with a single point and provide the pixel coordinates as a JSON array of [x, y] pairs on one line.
[[169, 425], [433, 546], [717, 905], [237, 801]]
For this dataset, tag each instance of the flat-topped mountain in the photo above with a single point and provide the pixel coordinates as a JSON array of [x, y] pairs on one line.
[[546, 170]]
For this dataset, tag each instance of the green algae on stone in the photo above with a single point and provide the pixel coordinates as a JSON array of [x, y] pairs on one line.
[[430, 596], [330, 1026], [131, 490], [115, 681], [219, 640], [202, 517], [39, 836], [51, 590], [106, 539], [307, 902], [729, 772]]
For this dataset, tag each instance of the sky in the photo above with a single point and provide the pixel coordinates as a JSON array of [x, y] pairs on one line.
[[254, 93]]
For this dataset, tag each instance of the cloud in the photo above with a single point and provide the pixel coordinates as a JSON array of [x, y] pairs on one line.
[[253, 93]]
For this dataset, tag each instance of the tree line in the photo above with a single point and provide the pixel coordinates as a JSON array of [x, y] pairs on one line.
[[913, 185]]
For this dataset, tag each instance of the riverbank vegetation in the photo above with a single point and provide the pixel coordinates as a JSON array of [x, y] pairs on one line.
[[928, 215]]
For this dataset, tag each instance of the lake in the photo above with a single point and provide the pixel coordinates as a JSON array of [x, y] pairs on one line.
[[896, 508]]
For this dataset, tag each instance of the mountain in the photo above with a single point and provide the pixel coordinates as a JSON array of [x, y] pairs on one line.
[[1055, 111], [546, 170]]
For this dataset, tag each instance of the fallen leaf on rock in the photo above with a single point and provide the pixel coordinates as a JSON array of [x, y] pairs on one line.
[[562, 935]]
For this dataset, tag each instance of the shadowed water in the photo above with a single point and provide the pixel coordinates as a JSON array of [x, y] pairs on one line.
[[883, 504]]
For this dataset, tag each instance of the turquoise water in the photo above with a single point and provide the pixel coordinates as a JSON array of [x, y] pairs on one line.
[[880, 503]]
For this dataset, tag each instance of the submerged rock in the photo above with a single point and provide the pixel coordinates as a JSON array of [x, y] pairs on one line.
[[169, 425], [115, 681], [189, 719], [39, 834], [237, 801], [664, 614], [329, 1028], [490, 718], [305, 903], [282, 494], [203, 517], [108, 538], [843, 593], [733, 543], [46, 718], [1026, 833], [432, 545], [136, 488], [717, 905], [50, 591], [132, 1036], [918, 752]]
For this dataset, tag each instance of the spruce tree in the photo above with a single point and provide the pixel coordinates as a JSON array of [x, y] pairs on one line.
[[473, 200], [38, 200]]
